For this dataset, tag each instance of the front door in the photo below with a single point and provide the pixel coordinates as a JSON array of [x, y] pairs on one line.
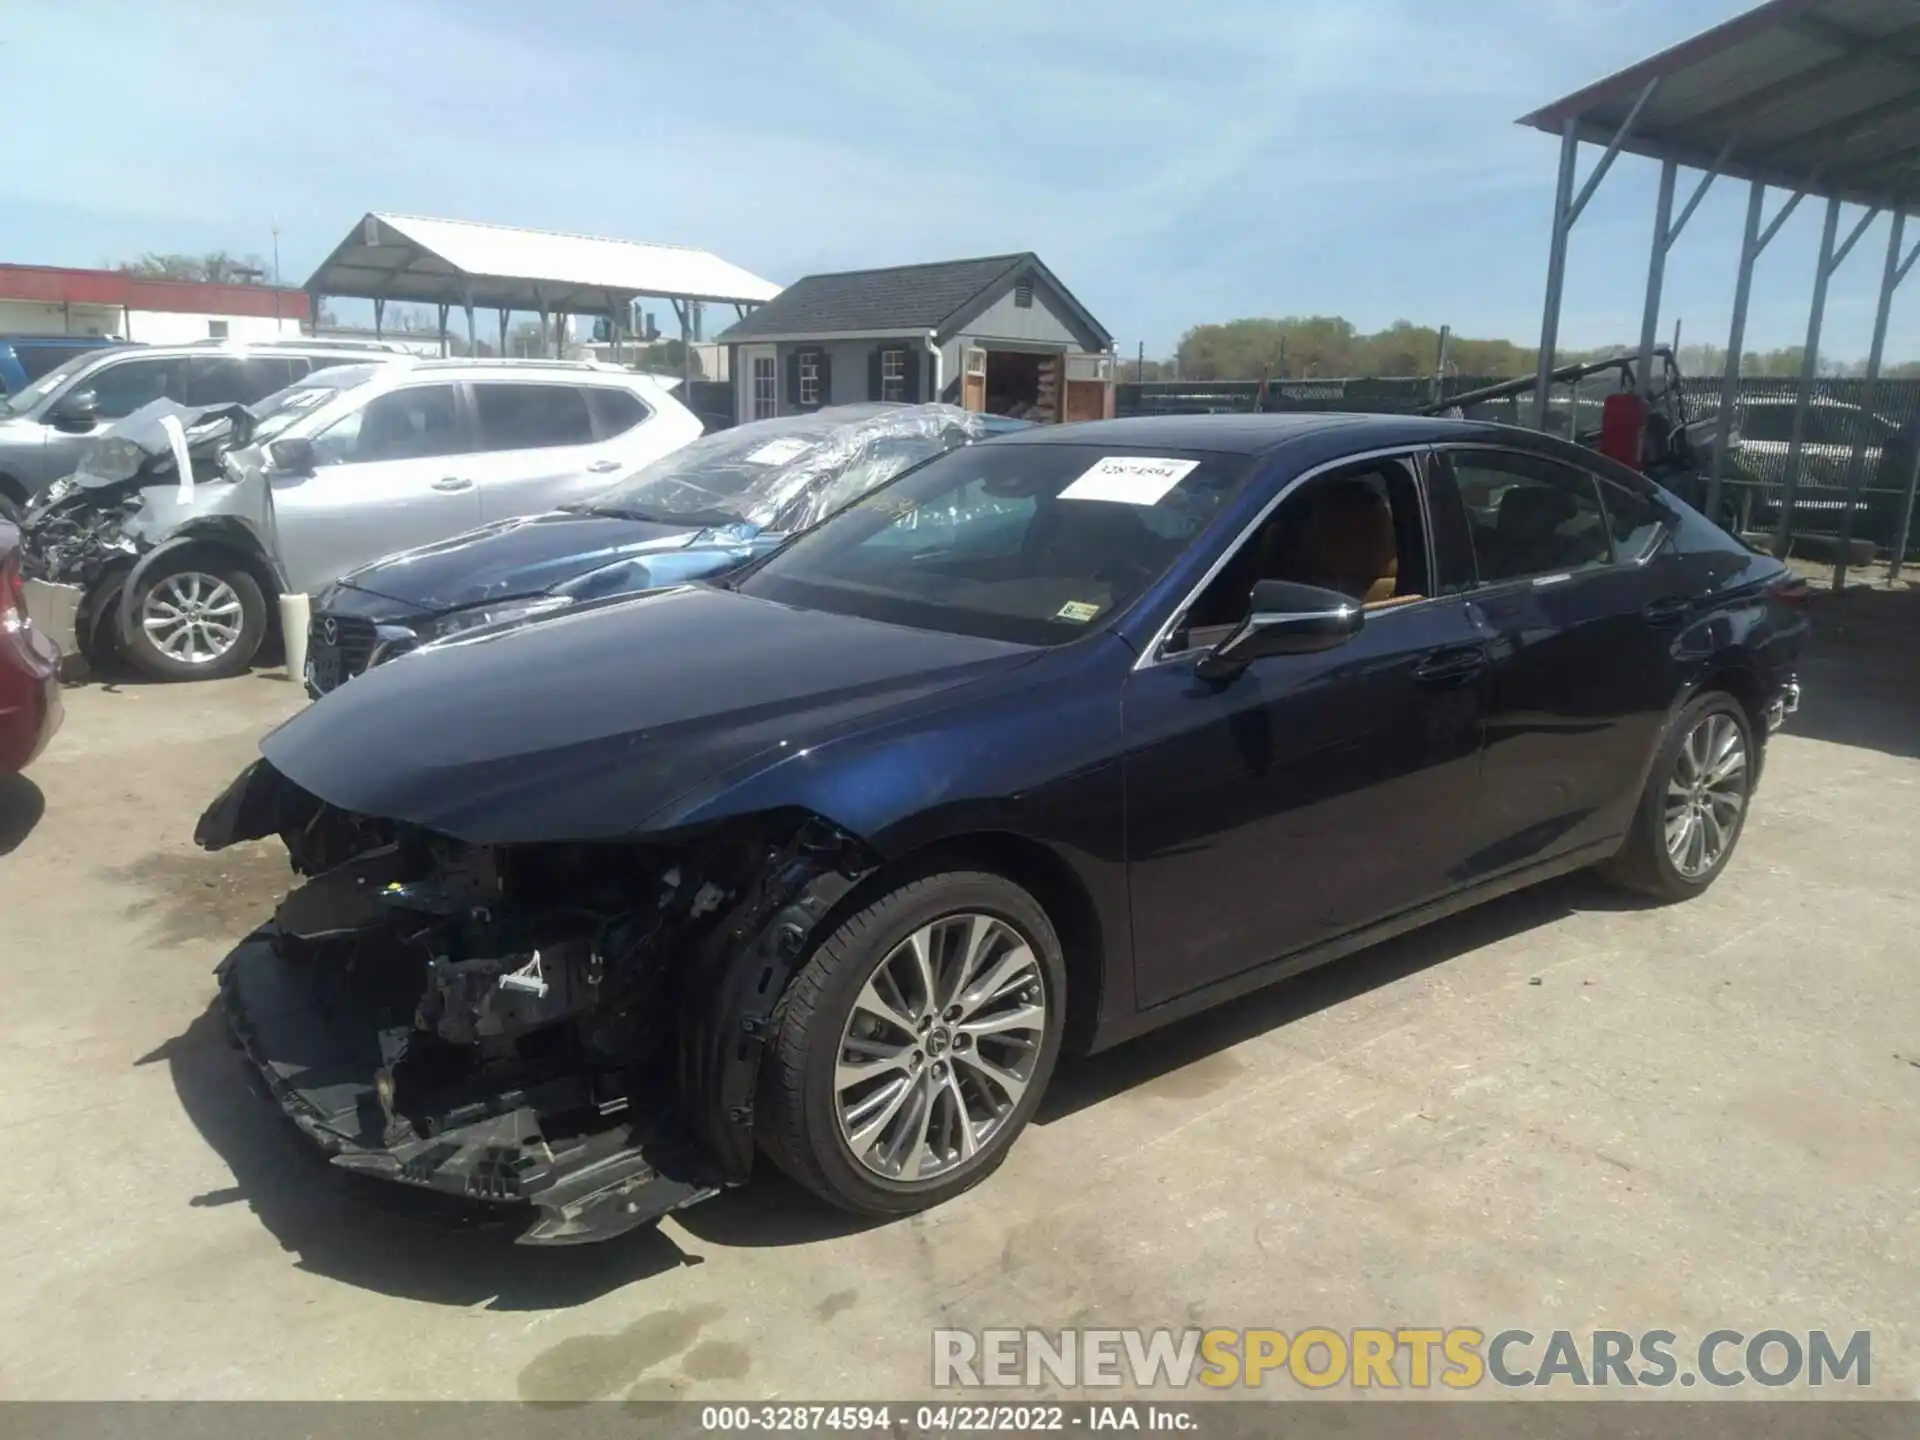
[[1312, 794], [1581, 624], [396, 473], [973, 383]]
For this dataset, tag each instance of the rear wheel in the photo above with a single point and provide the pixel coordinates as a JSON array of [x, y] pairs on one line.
[[914, 1046], [1695, 803], [198, 616]]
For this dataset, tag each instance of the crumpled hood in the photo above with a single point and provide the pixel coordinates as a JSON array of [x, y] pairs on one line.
[[528, 555], [612, 719]]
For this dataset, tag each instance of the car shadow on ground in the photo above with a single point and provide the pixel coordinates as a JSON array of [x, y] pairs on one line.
[[374, 1235], [438, 1250], [1090, 1080], [21, 805]]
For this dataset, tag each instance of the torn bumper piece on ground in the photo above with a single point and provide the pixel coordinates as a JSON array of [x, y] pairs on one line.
[[572, 1029]]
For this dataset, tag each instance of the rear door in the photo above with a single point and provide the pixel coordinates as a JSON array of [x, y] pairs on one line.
[[389, 475], [537, 446], [1581, 604]]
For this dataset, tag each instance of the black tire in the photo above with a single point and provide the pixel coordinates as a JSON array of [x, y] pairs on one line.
[[13, 503], [1644, 864], [224, 566], [800, 1125]]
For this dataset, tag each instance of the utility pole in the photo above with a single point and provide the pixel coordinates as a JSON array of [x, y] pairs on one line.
[[1140, 365], [276, 250]]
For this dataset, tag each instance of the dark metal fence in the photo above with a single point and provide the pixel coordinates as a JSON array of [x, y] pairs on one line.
[[1755, 472]]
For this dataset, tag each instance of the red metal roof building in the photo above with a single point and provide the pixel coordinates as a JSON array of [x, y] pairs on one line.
[[56, 299]]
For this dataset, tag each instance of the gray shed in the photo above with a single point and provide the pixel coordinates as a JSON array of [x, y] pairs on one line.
[[999, 335]]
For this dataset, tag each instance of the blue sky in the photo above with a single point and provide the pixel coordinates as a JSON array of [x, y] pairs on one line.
[[1173, 163]]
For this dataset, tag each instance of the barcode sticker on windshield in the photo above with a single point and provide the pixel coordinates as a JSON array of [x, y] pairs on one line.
[[777, 452], [1129, 479]]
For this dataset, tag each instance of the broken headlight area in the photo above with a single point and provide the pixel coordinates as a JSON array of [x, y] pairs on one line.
[[526, 1025], [75, 536]]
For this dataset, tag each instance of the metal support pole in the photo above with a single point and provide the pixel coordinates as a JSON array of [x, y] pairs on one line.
[[1809, 359], [613, 327], [503, 332], [1889, 281], [1656, 274], [1906, 516], [473, 347], [1556, 271], [443, 330], [379, 316]]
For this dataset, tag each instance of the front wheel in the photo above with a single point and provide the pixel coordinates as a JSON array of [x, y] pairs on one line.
[[1695, 803], [914, 1046], [199, 615]]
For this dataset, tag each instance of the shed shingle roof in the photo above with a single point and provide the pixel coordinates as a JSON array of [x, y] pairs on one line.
[[904, 297]]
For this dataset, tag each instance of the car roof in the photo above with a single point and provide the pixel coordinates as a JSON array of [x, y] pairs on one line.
[[1251, 434]]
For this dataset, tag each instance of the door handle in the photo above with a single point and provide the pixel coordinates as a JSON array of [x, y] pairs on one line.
[[1452, 666], [1666, 612], [603, 467], [453, 482]]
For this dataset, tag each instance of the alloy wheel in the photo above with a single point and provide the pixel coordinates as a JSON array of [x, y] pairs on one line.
[[192, 617], [1705, 795], [939, 1048]]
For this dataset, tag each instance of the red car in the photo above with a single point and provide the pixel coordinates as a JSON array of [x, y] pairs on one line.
[[29, 669]]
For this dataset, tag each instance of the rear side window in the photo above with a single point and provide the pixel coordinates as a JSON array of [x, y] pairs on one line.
[[1635, 522], [615, 411], [1530, 516], [531, 417], [409, 424], [242, 379], [1767, 424]]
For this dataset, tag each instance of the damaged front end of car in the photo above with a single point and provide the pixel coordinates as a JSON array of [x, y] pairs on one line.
[[573, 1029], [143, 481]]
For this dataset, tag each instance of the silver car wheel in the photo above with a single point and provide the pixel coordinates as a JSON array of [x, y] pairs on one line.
[[1705, 795], [940, 1046], [192, 617]]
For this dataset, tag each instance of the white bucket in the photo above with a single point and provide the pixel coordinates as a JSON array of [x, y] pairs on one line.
[[295, 611]]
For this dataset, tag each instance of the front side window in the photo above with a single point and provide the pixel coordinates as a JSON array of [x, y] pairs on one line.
[[1033, 544], [531, 417], [241, 379], [809, 377], [410, 424], [1529, 516], [766, 388], [893, 374], [122, 388]]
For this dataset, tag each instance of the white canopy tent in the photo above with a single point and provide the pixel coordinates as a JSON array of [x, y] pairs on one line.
[[411, 258]]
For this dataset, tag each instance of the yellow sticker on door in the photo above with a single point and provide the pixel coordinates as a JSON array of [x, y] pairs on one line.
[[1078, 611]]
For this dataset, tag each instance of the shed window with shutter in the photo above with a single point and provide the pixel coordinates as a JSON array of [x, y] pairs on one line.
[[893, 374], [809, 377]]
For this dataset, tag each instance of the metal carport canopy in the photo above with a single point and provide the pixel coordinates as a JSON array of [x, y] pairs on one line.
[[1816, 97], [461, 262]]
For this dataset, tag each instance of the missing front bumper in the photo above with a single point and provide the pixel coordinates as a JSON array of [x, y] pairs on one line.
[[318, 1057]]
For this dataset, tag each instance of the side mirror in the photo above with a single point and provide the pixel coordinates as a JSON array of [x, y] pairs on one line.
[[1284, 619], [291, 457], [78, 412]]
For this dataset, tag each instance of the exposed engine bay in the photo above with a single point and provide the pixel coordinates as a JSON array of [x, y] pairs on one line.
[[574, 1027]]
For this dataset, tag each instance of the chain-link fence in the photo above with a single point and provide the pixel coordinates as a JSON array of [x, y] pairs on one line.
[[1754, 475]]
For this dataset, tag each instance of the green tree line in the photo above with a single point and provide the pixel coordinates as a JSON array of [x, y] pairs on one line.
[[1303, 346]]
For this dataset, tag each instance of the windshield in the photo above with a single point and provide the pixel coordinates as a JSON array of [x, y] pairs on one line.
[[280, 409], [24, 399], [785, 473], [1028, 543]]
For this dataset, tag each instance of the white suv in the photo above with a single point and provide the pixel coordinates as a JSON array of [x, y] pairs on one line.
[[342, 468]]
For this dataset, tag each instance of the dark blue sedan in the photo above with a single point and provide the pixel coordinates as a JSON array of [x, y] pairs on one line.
[[1046, 743], [709, 506]]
